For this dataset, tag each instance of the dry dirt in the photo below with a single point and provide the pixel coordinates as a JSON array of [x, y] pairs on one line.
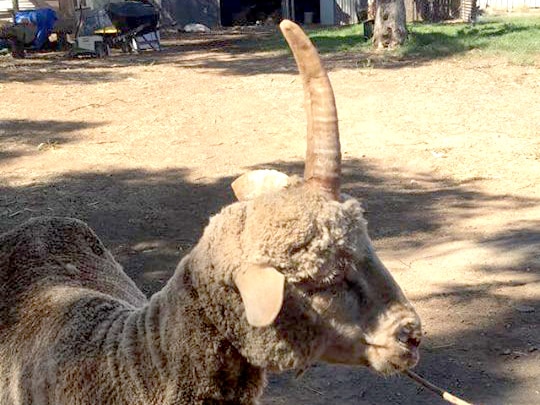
[[444, 153]]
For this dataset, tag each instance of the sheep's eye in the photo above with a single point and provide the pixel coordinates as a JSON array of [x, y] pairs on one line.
[[294, 249], [297, 248], [312, 288], [323, 282]]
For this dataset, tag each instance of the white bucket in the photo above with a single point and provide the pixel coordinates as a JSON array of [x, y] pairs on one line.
[[308, 17]]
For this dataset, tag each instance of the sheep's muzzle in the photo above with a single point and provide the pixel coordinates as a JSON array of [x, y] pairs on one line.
[[391, 345]]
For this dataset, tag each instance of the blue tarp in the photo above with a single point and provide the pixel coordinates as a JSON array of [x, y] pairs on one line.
[[43, 19]]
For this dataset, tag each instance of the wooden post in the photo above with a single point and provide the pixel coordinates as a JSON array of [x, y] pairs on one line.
[[15, 6]]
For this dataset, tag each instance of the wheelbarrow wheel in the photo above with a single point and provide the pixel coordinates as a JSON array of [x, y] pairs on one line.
[[102, 50], [126, 48], [17, 49]]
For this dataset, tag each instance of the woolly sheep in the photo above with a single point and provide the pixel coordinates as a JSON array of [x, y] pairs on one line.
[[285, 277]]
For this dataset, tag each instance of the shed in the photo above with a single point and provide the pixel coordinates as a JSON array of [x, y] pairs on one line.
[[184, 12], [325, 12], [243, 12]]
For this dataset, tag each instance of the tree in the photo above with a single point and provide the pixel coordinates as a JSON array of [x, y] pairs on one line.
[[390, 29]]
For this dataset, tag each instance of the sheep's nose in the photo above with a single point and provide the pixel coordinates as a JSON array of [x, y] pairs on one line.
[[409, 335]]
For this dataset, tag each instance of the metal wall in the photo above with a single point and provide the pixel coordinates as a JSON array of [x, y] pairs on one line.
[[194, 11], [346, 11]]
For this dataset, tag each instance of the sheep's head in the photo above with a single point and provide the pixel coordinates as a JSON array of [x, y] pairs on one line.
[[302, 281]]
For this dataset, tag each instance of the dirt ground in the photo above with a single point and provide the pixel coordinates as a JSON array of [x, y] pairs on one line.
[[444, 153]]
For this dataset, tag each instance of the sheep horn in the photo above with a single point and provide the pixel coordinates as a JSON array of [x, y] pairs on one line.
[[323, 156]]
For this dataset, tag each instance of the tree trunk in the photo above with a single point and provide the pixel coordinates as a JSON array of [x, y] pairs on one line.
[[14, 8], [371, 9], [390, 30]]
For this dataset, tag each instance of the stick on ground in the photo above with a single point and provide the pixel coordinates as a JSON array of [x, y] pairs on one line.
[[442, 393]]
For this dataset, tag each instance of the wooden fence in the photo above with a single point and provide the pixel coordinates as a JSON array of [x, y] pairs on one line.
[[436, 10], [509, 5]]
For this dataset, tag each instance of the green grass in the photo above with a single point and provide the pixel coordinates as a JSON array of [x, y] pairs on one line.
[[339, 39], [516, 38], [327, 40]]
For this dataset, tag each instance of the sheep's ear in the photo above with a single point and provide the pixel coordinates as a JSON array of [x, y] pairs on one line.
[[257, 182], [261, 289]]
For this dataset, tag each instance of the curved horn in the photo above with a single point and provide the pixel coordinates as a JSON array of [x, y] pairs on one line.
[[323, 156]]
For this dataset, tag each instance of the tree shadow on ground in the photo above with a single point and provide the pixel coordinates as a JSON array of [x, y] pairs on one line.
[[58, 68], [522, 238], [20, 137], [262, 50], [227, 52], [346, 47], [151, 219], [419, 205]]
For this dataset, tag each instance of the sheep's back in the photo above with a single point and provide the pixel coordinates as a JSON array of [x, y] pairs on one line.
[[59, 290], [50, 255]]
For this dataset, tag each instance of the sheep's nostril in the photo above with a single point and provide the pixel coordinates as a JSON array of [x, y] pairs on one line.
[[408, 335], [413, 341]]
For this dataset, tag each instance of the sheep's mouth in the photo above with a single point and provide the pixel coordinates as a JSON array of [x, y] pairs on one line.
[[393, 357], [388, 356]]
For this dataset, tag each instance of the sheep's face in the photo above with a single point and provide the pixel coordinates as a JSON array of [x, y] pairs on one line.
[[334, 289], [299, 279]]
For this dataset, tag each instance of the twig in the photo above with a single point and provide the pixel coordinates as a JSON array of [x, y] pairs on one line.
[[20, 212], [442, 393], [314, 390], [96, 104], [442, 346], [405, 264], [526, 186]]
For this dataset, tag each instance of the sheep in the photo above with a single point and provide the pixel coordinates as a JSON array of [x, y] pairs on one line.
[[280, 279]]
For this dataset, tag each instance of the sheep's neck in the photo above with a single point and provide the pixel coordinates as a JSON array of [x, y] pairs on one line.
[[169, 343]]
